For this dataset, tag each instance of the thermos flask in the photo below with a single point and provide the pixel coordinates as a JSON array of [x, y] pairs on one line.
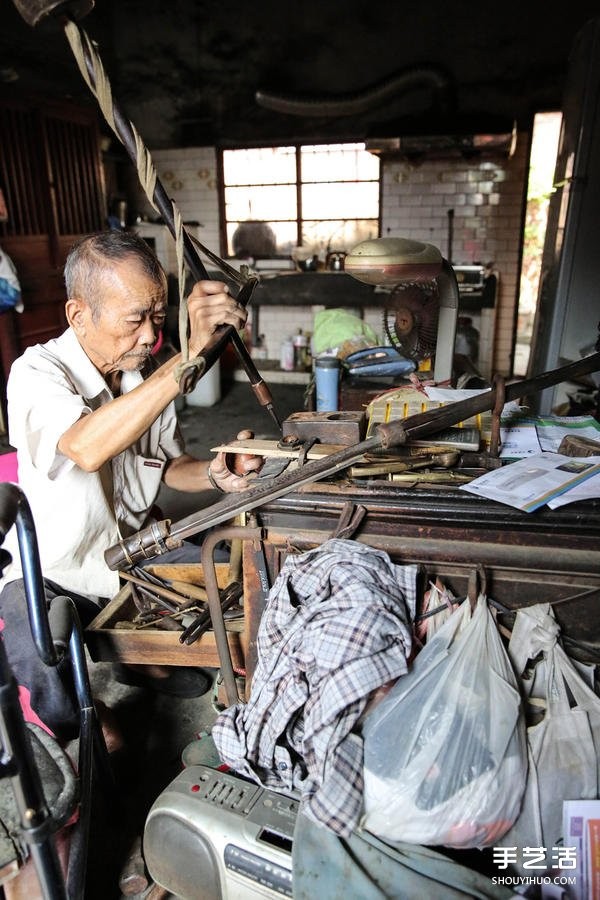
[[327, 379]]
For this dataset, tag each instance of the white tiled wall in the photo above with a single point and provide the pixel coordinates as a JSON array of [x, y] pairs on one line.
[[488, 202], [487, 199], [189, 176]]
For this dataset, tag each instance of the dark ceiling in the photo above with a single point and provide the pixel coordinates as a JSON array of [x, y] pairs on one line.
[[187, 71]]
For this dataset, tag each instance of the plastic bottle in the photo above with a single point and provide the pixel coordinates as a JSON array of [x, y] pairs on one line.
[[300, 342], [286, 355]]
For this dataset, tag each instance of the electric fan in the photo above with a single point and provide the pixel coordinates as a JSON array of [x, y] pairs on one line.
[[421, 313], [410, 320]]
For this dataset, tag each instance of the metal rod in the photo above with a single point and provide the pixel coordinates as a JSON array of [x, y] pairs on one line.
[[217, 343], [154, 588], [144, 543], [214, 603]]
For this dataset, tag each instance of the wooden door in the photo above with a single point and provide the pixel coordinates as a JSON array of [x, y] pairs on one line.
[[51, 178], [52, 181]]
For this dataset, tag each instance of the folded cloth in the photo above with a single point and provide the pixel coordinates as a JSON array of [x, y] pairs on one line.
[[336, 628], [182, 681]]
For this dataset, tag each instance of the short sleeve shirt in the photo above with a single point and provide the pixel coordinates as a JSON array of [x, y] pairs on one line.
[[79, 514]]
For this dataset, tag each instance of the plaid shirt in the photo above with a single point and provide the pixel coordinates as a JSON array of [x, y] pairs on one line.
[[336, 627]]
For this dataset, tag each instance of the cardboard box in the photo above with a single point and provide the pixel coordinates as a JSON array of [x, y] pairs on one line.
[[108, 643]]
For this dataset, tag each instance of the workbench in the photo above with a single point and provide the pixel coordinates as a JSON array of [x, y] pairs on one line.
[[518, 559], [526, 558]]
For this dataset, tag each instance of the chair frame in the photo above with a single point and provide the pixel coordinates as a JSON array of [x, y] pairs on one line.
[[57, 635]]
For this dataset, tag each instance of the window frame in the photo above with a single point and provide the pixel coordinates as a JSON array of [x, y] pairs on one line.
[[299, 185]]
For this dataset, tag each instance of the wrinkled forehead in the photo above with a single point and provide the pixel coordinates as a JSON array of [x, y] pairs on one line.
[[129, 287]]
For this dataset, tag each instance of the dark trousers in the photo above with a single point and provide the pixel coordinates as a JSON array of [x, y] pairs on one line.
[[52, 695]]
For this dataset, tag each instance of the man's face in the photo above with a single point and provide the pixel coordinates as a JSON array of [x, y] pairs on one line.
[[132, 312]]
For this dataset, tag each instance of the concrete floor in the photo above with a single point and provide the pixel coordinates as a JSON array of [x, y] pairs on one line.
[[156, 728]]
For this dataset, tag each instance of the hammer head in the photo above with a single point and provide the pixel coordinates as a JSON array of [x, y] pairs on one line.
[[33, 11]]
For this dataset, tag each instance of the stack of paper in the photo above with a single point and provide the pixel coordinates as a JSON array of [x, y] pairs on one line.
[[523, 436], [544, 478]]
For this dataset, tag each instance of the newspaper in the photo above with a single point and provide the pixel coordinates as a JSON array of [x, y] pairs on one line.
[[532, 482], [522, 436]]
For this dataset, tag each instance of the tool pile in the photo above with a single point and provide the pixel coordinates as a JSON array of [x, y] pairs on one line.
[[171, 605]]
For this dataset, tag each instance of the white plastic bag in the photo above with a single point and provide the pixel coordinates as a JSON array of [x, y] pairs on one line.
[[562, 747], [444, 752]]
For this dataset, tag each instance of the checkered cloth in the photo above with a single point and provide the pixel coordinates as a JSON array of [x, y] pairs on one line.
[[336, 627]]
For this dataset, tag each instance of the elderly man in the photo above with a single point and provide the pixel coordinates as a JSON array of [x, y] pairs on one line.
[[93, 420]]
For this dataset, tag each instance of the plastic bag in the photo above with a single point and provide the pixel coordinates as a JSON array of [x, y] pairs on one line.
[[10, 289], [444, 752], [562, 747], [341, 331]]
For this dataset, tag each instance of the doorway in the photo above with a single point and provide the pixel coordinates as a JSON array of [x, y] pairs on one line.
[[542, 162]]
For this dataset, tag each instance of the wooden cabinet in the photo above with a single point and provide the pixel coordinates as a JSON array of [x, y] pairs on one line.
[[52, 181]]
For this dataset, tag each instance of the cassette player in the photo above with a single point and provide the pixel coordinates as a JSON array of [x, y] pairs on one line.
[[215, 835]]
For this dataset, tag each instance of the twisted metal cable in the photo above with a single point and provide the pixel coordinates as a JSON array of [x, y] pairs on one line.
[[84, 49]]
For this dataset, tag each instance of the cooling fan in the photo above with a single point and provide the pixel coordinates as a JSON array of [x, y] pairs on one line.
[[421, 313], [410, 320]]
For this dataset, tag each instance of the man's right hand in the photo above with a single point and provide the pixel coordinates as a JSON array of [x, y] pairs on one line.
[[209, 306]]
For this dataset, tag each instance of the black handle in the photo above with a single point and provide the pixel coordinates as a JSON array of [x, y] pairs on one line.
[[10, 498]]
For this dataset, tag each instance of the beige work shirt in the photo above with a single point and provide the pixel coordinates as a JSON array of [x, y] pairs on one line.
[[78, 514]]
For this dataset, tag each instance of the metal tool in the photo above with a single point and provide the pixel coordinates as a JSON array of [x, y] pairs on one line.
[[349, 521], [163, 536], [210, 579], [33, 11], [260, 561], [230, 595], [390, 466], [170, 600]]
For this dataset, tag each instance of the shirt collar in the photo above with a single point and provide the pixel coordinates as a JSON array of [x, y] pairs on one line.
[[84, 374]]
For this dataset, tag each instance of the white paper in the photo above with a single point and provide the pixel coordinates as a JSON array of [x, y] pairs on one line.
[[551, 430], [519, 441], [587, 490], [530, 483], [452, 395]]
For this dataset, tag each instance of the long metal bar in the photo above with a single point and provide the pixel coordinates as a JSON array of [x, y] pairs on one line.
[[163, 536]]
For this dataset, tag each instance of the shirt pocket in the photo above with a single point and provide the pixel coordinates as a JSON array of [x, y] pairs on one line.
[[141, 483]]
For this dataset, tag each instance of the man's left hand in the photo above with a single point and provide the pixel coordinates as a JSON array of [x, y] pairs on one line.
[[234, 472]]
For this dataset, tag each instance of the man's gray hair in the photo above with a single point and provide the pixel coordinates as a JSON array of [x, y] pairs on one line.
[[91, 256]]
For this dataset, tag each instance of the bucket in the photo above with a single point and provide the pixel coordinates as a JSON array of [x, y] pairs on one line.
[[208, 390]]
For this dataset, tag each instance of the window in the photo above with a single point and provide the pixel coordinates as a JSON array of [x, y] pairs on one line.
[[324, 197]]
